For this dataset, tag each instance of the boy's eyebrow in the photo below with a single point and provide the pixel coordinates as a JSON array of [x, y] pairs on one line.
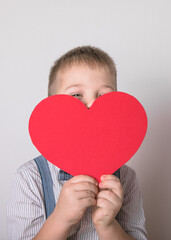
[[77, 85]]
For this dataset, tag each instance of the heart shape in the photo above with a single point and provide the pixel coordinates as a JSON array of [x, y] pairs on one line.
[[93, 141]]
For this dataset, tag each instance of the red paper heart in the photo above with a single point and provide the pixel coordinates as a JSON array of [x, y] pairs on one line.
[[93, 141]]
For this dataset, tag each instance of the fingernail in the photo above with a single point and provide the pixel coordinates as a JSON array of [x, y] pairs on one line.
[[102, 177]]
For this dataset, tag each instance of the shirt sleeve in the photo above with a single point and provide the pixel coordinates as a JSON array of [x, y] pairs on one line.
[[131, 216], [25, 206]]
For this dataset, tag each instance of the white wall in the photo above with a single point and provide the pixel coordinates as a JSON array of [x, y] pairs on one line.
[[136, 34]]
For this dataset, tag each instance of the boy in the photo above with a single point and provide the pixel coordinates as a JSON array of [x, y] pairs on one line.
[[110, 210]]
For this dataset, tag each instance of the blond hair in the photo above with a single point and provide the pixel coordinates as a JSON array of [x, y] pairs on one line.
[[87, 55]]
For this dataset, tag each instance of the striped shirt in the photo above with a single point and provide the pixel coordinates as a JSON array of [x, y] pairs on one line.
[[26, 209]]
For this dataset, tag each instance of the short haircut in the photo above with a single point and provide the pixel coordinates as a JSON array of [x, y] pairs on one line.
[[84, 55]]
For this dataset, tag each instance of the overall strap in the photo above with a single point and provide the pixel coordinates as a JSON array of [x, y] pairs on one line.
[[117, 173], [47, 184]]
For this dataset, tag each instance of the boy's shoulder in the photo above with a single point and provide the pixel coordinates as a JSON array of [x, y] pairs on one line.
[[29, 170], [125, 169], [26, 186], [27, 174], [29, 166], [128, 177]]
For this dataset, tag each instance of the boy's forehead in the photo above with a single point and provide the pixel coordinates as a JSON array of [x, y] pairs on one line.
[[81, 72]]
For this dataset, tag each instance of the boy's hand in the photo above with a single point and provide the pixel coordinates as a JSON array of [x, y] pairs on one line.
[[109, 201], [77, 194]]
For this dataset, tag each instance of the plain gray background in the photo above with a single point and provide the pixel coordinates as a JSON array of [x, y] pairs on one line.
[[138, 37]]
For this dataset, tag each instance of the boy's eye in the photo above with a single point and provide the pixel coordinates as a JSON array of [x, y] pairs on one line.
[[76, 95]]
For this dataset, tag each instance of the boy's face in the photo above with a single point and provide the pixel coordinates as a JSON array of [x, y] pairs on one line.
[[85, 83]]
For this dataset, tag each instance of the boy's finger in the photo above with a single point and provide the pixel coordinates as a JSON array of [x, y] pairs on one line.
[[85, 186], [112, 185], [87, 202], [109, 195], [85, 194], [81, 178], [109, 176]]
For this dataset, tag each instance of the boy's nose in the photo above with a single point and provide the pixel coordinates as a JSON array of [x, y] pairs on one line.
[[89, 104]]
